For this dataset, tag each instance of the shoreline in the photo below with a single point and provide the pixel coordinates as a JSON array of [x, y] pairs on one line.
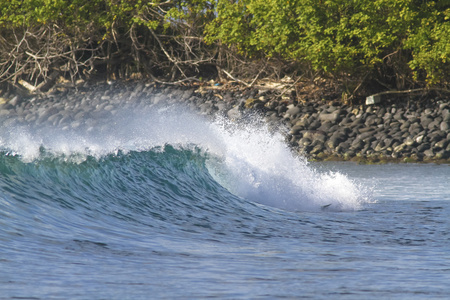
[[321, 130]]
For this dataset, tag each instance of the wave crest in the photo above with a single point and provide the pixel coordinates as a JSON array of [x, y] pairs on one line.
[[248, 159]]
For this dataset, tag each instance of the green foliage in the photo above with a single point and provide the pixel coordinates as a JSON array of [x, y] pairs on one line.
[[339, 36], [430, 45], [106, 16], [140, 35], [409, 38], [231, 26], [76, 16]]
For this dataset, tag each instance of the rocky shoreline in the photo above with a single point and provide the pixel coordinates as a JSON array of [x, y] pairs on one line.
[[400, 131]]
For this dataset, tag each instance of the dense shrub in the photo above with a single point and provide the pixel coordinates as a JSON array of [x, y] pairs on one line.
[[396, 43], [430, 43], [378, 37], [81, 37]]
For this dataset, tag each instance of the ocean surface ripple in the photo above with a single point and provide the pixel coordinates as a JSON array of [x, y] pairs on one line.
[[161, 202]]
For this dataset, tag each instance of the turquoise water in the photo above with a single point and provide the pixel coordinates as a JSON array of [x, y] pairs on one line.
[[164, 204]]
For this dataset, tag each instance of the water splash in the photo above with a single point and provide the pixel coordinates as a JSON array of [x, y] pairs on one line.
[[248, 159], [126, 130], [259, 166]]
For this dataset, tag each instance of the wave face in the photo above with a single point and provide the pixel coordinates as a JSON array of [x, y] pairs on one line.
[[154, 199], [130, 203], [160, 156]]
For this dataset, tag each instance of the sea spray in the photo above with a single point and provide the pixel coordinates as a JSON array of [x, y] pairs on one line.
[[259, 166], [127, 130], [248, 159]]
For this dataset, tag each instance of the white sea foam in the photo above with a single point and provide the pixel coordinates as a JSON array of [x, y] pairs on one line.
[[248, 160], [128, 130], [259, 166]]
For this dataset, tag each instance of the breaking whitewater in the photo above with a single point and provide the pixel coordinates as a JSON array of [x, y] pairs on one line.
[[248, 158], [131, 193]]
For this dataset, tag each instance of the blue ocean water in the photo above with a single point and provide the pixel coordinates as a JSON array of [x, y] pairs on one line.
[[161, 203]]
